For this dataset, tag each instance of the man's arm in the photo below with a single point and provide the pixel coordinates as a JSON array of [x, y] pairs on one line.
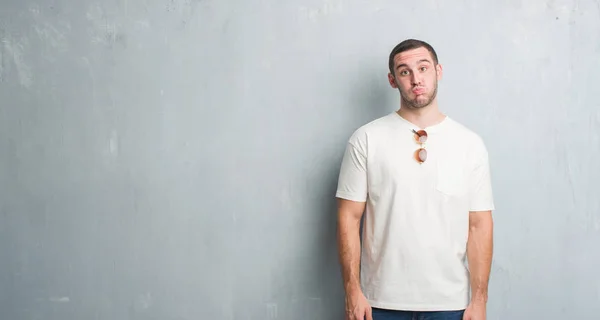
[[479, 243], [352, 194], [479, 254], [348, 235]]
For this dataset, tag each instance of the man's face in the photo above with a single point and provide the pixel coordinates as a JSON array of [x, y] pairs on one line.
[[416, 77]]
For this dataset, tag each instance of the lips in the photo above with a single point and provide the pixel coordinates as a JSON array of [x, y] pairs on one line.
[[419, 90]]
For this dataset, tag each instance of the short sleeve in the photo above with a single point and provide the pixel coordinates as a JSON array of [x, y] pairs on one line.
[[352, 181], [480, 189]]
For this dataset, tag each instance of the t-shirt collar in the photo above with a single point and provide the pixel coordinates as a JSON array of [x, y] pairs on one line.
[[429, 129]]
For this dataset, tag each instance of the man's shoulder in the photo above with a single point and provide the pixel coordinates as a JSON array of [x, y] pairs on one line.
[[468, 136], [372, 127]]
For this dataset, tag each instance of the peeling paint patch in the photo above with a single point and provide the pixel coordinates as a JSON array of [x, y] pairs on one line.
[[143, 302], [60, 299], [271, 311], [105, 31], [14, 51], [329, 7], [113, 144]]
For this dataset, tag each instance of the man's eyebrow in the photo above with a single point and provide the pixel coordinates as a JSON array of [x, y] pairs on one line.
[[405, 65]]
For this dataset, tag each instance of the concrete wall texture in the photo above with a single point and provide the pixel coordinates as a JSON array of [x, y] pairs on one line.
[[177, 159]]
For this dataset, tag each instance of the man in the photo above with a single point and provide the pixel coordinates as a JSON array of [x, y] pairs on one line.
[[423, 181]]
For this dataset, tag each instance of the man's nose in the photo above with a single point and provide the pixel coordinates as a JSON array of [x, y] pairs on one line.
[[416, 80]]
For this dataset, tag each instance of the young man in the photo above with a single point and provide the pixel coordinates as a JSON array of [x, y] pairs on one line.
[[423, 181]]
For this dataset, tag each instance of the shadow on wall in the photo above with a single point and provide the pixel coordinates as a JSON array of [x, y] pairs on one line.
[[373, 97], [370, 99]]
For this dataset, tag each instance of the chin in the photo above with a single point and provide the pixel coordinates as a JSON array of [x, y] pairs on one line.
[[421, 103], [418, 102], [422, 100]]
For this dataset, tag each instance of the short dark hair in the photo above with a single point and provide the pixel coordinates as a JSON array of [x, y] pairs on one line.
[[410, 44]]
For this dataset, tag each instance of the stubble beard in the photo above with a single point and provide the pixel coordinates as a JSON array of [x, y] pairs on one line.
[[416, 103]]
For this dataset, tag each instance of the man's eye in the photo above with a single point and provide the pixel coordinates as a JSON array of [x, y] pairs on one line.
[[403, 72], [423, 68]]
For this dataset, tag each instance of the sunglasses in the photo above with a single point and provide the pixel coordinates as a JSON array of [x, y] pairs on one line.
[[421, 138]]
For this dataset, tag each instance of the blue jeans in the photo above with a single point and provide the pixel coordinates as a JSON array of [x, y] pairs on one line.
[[383, 314]]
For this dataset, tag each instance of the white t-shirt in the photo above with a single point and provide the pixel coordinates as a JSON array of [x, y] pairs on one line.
[[417, 215]]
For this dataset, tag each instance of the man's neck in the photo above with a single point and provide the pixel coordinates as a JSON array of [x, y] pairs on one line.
[[423, 117]]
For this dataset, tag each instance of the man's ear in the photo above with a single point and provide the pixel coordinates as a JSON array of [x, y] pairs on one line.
[[392, 81], [439, 70]]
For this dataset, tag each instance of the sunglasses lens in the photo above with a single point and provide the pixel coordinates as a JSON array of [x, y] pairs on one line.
[[421, 155], [421, 135]]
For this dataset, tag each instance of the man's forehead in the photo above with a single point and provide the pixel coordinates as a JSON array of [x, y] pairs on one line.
[[412, 56]]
